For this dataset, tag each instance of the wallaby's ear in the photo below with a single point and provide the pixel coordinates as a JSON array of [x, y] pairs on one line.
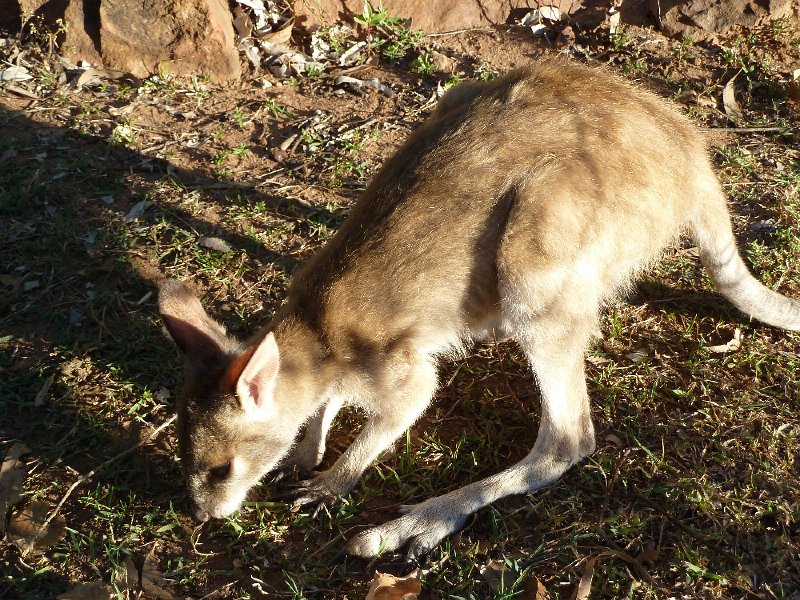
[[256, 383], [193, 330]]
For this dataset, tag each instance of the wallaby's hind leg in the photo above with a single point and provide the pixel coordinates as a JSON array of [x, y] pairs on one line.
[[565, 436]]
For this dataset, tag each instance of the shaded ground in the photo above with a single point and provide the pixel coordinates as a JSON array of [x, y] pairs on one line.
[[693, 492]]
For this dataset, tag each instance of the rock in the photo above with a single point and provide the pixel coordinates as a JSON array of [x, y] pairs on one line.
[[451, 15], [442, 62], [144, 38], [704, 19], [442, 15], [79, 42]]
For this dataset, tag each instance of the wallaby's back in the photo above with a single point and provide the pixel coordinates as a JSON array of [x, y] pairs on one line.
[[516, 184]]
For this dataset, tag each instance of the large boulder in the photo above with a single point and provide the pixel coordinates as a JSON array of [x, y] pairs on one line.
[[143, 37], [427, 15], [701, 19]]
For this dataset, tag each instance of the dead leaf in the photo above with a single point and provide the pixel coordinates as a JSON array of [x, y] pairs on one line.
[[637, 355], [598, 360], [126, 576], [95, 590], [539, 29], [585, 584], [259, 11], [348, 54], [549, 13], [707, 101], [649, 553], [497, 575], [351, 82], [41, 395], [279, 36], [388, 587], [15, 73], [543, 13], [12, 474], [26, 532], [613, 20], [251, 52], [730, 346], [242, 22], [89, 75], [153, 582], [732, 109], [22, 91], [214, 243], [534, 590], [794, 87], [794, 92], [377, 85], [85, 77], [137, 210]]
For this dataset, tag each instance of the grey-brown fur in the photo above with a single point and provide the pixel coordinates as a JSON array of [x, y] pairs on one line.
[[521, 205]]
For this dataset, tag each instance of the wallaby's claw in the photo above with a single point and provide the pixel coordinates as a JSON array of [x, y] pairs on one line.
[[418, 531], [307, 477], [311, 492]]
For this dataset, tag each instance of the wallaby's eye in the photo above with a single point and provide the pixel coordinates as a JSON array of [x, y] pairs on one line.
[[221, 472]]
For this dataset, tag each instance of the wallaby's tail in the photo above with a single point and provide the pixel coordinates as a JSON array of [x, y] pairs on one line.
[[712, 232]]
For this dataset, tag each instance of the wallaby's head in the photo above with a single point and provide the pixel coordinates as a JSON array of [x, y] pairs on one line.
[[233, 419]]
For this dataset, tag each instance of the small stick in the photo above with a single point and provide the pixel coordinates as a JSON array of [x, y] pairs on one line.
[[457, 31], [745, 129], [83, 478]]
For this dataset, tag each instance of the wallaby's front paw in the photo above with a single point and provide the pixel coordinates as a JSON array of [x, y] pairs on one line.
[[317, 490], [419, 530]]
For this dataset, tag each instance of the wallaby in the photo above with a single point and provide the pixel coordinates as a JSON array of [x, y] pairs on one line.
[[521, 205]]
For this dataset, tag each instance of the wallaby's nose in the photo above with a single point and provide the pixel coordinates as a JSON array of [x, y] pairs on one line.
[[201, 515]]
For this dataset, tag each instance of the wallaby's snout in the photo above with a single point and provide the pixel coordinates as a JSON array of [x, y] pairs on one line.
[[200, 514]]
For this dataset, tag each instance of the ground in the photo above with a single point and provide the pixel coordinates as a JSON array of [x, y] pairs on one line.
[[108, 187]]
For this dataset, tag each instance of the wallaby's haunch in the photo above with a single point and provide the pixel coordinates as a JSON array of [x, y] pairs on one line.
[[521, 205]]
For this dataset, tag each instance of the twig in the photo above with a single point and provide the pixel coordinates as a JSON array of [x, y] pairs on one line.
[[457, 31], [746, 129], [82, 479], [20, 91]]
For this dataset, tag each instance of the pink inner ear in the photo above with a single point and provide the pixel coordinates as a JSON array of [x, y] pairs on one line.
[[257, 381]]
